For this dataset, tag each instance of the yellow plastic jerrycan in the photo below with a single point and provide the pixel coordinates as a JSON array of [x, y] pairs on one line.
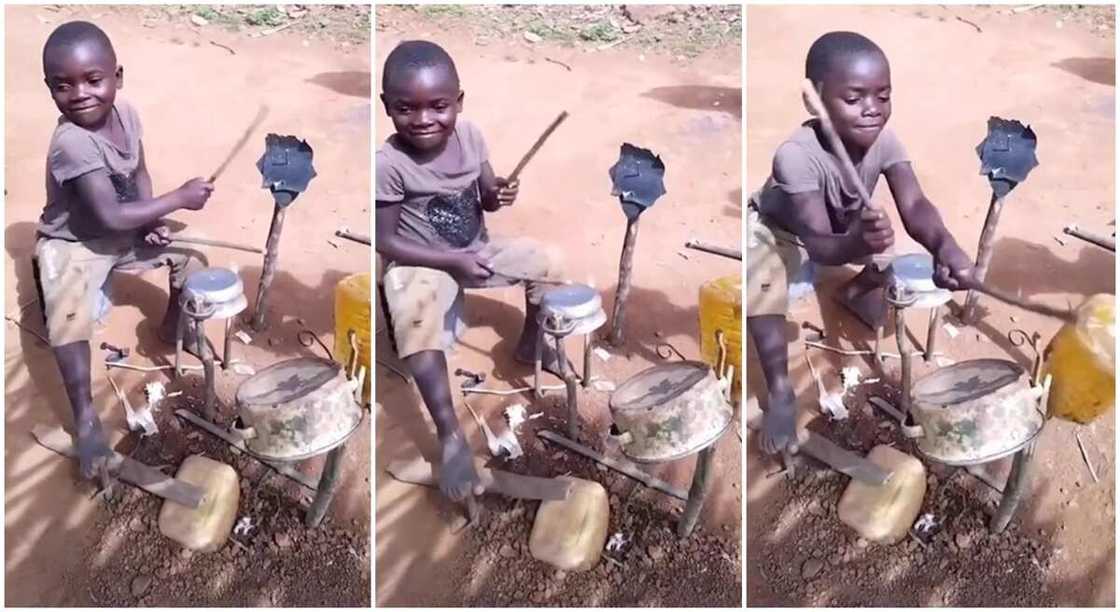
[[352, 312], [1082, 360], [721, 309]]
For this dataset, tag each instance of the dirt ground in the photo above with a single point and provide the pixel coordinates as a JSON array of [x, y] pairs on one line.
[[64, 549], [688, 111], [952, 67]]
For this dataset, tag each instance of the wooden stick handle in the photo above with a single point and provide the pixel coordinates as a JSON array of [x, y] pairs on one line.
[[714, 250], [214, 243], [536, 146], [817, 106]]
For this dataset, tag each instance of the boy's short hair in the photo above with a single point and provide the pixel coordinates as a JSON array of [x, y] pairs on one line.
[[73, 33], [414, 54], [832, 46]]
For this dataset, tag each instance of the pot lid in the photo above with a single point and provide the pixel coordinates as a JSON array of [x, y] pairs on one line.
[[966, 381], [572, 301], [215, 285], [658, 385]]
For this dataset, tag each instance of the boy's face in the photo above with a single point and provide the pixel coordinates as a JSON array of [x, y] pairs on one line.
[[857, 94], [423, 104], [83, 80]]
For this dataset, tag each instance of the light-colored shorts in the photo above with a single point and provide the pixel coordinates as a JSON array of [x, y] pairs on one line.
[[72, 274], [426, 305], [774, 258]]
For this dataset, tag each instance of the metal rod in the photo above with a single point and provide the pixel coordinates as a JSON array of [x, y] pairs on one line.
[[714, 250], [261, 114], [227, 344], [622, 292], [1102, 241], [571, 389], [697, 492], [586, 360], [983, 256], [904, 352], [203, 347], [328, 484], [362, 238], [624, 467], [268, 272], [536, 146], [214, 243]]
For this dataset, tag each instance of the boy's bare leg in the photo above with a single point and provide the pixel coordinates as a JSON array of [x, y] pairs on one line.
[[865, 295], [779, 426], [457, 476], [74, 364]]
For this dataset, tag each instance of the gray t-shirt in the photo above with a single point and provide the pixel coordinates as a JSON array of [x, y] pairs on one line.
[[441, 205], [75, 151], [802, 165]]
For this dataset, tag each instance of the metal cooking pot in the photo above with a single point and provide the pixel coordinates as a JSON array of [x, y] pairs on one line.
[[976, 411], [913, 275], [218, 288], [297, 409], [670, 411], [574, 306]]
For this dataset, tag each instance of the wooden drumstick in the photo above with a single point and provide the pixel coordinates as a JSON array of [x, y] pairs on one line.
[[536, 146], [261, 114]]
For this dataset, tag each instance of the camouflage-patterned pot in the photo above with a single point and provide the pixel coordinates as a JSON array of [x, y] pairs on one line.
[[976, 411], [670, 411], [297, 409]]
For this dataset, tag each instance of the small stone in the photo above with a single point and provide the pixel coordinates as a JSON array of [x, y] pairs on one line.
[[656, 553], [198, 20], [507, 551], [186, 553], [811, 568], [963, 541], [861, 543], [282, 540], [273, 341], [533, 37], [140, 585]]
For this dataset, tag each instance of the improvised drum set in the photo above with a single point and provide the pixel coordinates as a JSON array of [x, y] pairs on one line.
[[665, 413], [969, 413], [288, 412]]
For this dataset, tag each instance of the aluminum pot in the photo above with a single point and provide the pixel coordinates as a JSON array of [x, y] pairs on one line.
[[297, 409], [976, 411], [670, 411]]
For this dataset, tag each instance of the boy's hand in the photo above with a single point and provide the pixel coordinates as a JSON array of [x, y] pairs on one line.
[[471, 266], [159, 235], [457, 476], [953, 270], [872, 231], [195, 192], [507, 191]]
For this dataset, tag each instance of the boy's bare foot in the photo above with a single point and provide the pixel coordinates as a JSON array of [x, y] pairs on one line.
[[457, 477], [526, 353], [865, 296], [779, 426], [93, 453]]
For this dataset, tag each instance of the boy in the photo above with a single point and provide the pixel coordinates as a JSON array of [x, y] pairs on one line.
[[807, 208], [100, 215], [434, 182]]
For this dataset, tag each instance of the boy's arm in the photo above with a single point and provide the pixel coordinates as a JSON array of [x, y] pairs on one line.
[[407, 252], [952, 267], [495, 191], [807, 217], [96, 191], [143, 179]]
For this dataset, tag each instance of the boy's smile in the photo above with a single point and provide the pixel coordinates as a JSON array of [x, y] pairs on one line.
[[424, 104], [83, 80], [857, 94]]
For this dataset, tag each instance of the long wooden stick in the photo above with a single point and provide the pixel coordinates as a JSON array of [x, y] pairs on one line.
[[347, 234], [536, 146], [261, 114], [1104, 242], [714, 250], [622, 292], [625, 467], [214, 243]]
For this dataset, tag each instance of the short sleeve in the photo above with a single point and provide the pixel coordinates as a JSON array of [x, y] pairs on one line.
[[132, 118], [474, 139], [891, 151], [389, 185], [73, 153], [794, 171]]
